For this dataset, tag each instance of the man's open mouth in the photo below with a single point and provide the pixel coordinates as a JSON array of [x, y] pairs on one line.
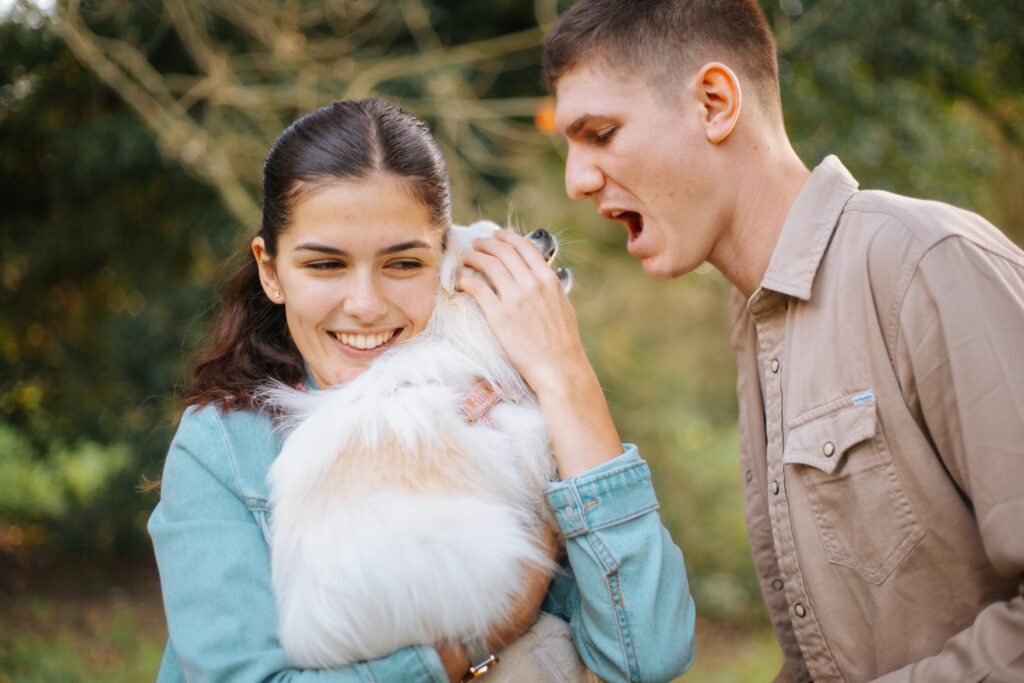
[[365, 342], [633, 221]]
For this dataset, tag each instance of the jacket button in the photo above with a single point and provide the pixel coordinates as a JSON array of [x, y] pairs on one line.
[[775, 365], [750, 476], [799, 609], [829, 449], [777, 584], [775, 487]]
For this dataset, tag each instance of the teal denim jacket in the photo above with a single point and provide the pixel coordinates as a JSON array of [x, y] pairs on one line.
[[624, 593]]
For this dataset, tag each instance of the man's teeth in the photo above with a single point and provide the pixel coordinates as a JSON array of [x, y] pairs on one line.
[[616, 214], [363, 341]]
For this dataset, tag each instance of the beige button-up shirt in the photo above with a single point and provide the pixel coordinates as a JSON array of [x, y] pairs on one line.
[[881, 392]]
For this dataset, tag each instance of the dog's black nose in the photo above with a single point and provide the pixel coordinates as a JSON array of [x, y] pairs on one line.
[[544, 242]]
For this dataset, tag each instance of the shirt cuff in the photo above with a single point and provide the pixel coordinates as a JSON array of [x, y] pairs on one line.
[[609, 494]]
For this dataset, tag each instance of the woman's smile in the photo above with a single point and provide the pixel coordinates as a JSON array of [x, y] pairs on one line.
[[363, 341]]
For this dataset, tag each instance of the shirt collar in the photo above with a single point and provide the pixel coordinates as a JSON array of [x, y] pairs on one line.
[[309, 383], [808, 229]]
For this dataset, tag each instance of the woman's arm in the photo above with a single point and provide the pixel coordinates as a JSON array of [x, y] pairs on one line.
[[536, 326], [625, 594], [215, 576], [629, 607]]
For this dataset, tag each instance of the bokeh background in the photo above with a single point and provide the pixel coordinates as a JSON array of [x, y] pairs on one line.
[[132, 134]]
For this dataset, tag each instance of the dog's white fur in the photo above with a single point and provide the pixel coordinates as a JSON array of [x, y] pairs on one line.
[[395, 522]]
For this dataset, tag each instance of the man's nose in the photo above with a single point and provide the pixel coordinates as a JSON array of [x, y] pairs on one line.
[[582, 177]]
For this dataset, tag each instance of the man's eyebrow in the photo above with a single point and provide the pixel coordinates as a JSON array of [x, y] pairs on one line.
[[576, 126], [334, 251]]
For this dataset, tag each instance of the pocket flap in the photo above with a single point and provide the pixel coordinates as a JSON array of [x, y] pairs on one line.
[[822, 441]]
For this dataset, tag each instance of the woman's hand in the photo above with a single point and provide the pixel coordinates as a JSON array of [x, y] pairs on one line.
[[526, 307], [535, 323]]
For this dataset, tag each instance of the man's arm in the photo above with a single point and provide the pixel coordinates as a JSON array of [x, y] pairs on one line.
[[961, 362]]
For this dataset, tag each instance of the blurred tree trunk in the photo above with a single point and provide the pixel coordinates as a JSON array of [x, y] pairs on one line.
[[255, 65]]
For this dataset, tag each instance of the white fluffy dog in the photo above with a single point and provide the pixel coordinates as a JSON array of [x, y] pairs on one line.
[[404, 514]]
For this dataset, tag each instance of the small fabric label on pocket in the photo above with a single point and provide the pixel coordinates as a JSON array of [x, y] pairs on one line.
[[863, 398]]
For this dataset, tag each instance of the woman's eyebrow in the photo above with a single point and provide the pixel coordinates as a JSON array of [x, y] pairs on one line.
[[404, 246], [334, 251]]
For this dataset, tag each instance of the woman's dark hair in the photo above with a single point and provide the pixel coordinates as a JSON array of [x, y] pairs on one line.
[[344, 141]]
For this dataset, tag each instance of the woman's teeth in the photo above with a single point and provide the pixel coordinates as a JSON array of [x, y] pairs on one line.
[[363, 341]]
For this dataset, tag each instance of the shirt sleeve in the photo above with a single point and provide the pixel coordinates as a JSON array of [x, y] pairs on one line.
[[625, 592], [960, 359], [215, 576]]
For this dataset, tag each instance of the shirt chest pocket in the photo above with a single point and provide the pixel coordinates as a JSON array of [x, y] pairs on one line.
[[837, 453]]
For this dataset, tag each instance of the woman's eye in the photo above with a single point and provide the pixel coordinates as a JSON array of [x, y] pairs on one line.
[[405, 265], [324, 265]]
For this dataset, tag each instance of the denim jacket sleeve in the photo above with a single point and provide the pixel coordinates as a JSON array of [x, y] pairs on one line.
[[625, 593], [215, 571]]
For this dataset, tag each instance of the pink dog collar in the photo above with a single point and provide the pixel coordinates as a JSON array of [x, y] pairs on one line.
[[481, 398]]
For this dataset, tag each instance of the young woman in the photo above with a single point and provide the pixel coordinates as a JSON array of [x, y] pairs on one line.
[[356, 205]]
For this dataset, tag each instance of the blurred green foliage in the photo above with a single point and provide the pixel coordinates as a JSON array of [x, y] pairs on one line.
[[106, 257], [112, 637], [108, 252]]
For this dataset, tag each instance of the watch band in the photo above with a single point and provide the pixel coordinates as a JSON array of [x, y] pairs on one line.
[[481, 659]]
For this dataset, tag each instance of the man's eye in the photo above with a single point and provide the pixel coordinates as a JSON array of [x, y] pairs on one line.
[[605, 134]]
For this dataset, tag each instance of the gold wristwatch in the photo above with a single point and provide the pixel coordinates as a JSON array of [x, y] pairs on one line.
[[481, 659]]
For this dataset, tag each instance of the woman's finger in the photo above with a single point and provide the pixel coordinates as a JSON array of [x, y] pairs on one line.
[[520, 257], [485, 297], [492, 268]]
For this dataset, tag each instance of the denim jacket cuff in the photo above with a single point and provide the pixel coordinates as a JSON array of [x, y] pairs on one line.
[[609, 494], [419, 664]]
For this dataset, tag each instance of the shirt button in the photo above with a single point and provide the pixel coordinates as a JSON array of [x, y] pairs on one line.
[[828, 449], [777, 584], [799, 609], [775, 487], [775, 365], [569, 512]]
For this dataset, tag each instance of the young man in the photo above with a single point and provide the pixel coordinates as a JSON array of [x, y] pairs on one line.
[[881, 378]]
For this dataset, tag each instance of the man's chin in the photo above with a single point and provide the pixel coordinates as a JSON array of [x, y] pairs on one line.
[[657, 269]]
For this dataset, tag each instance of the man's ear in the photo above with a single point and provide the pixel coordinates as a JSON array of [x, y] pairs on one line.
[[718, 89], [268, 273]]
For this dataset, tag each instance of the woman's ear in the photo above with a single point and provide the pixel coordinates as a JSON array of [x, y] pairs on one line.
[[268, 273], [718, 90]]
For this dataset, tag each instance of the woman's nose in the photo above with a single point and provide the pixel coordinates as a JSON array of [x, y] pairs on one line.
[[365, 299], [582, 177]]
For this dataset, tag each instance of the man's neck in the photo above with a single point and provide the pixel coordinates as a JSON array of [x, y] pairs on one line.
[[767, 188]]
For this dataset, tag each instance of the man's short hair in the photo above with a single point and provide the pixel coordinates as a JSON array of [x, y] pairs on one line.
[[663, 39]]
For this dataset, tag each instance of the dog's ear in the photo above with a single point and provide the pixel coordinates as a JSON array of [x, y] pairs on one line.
[[449, 269], [460, 240]]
